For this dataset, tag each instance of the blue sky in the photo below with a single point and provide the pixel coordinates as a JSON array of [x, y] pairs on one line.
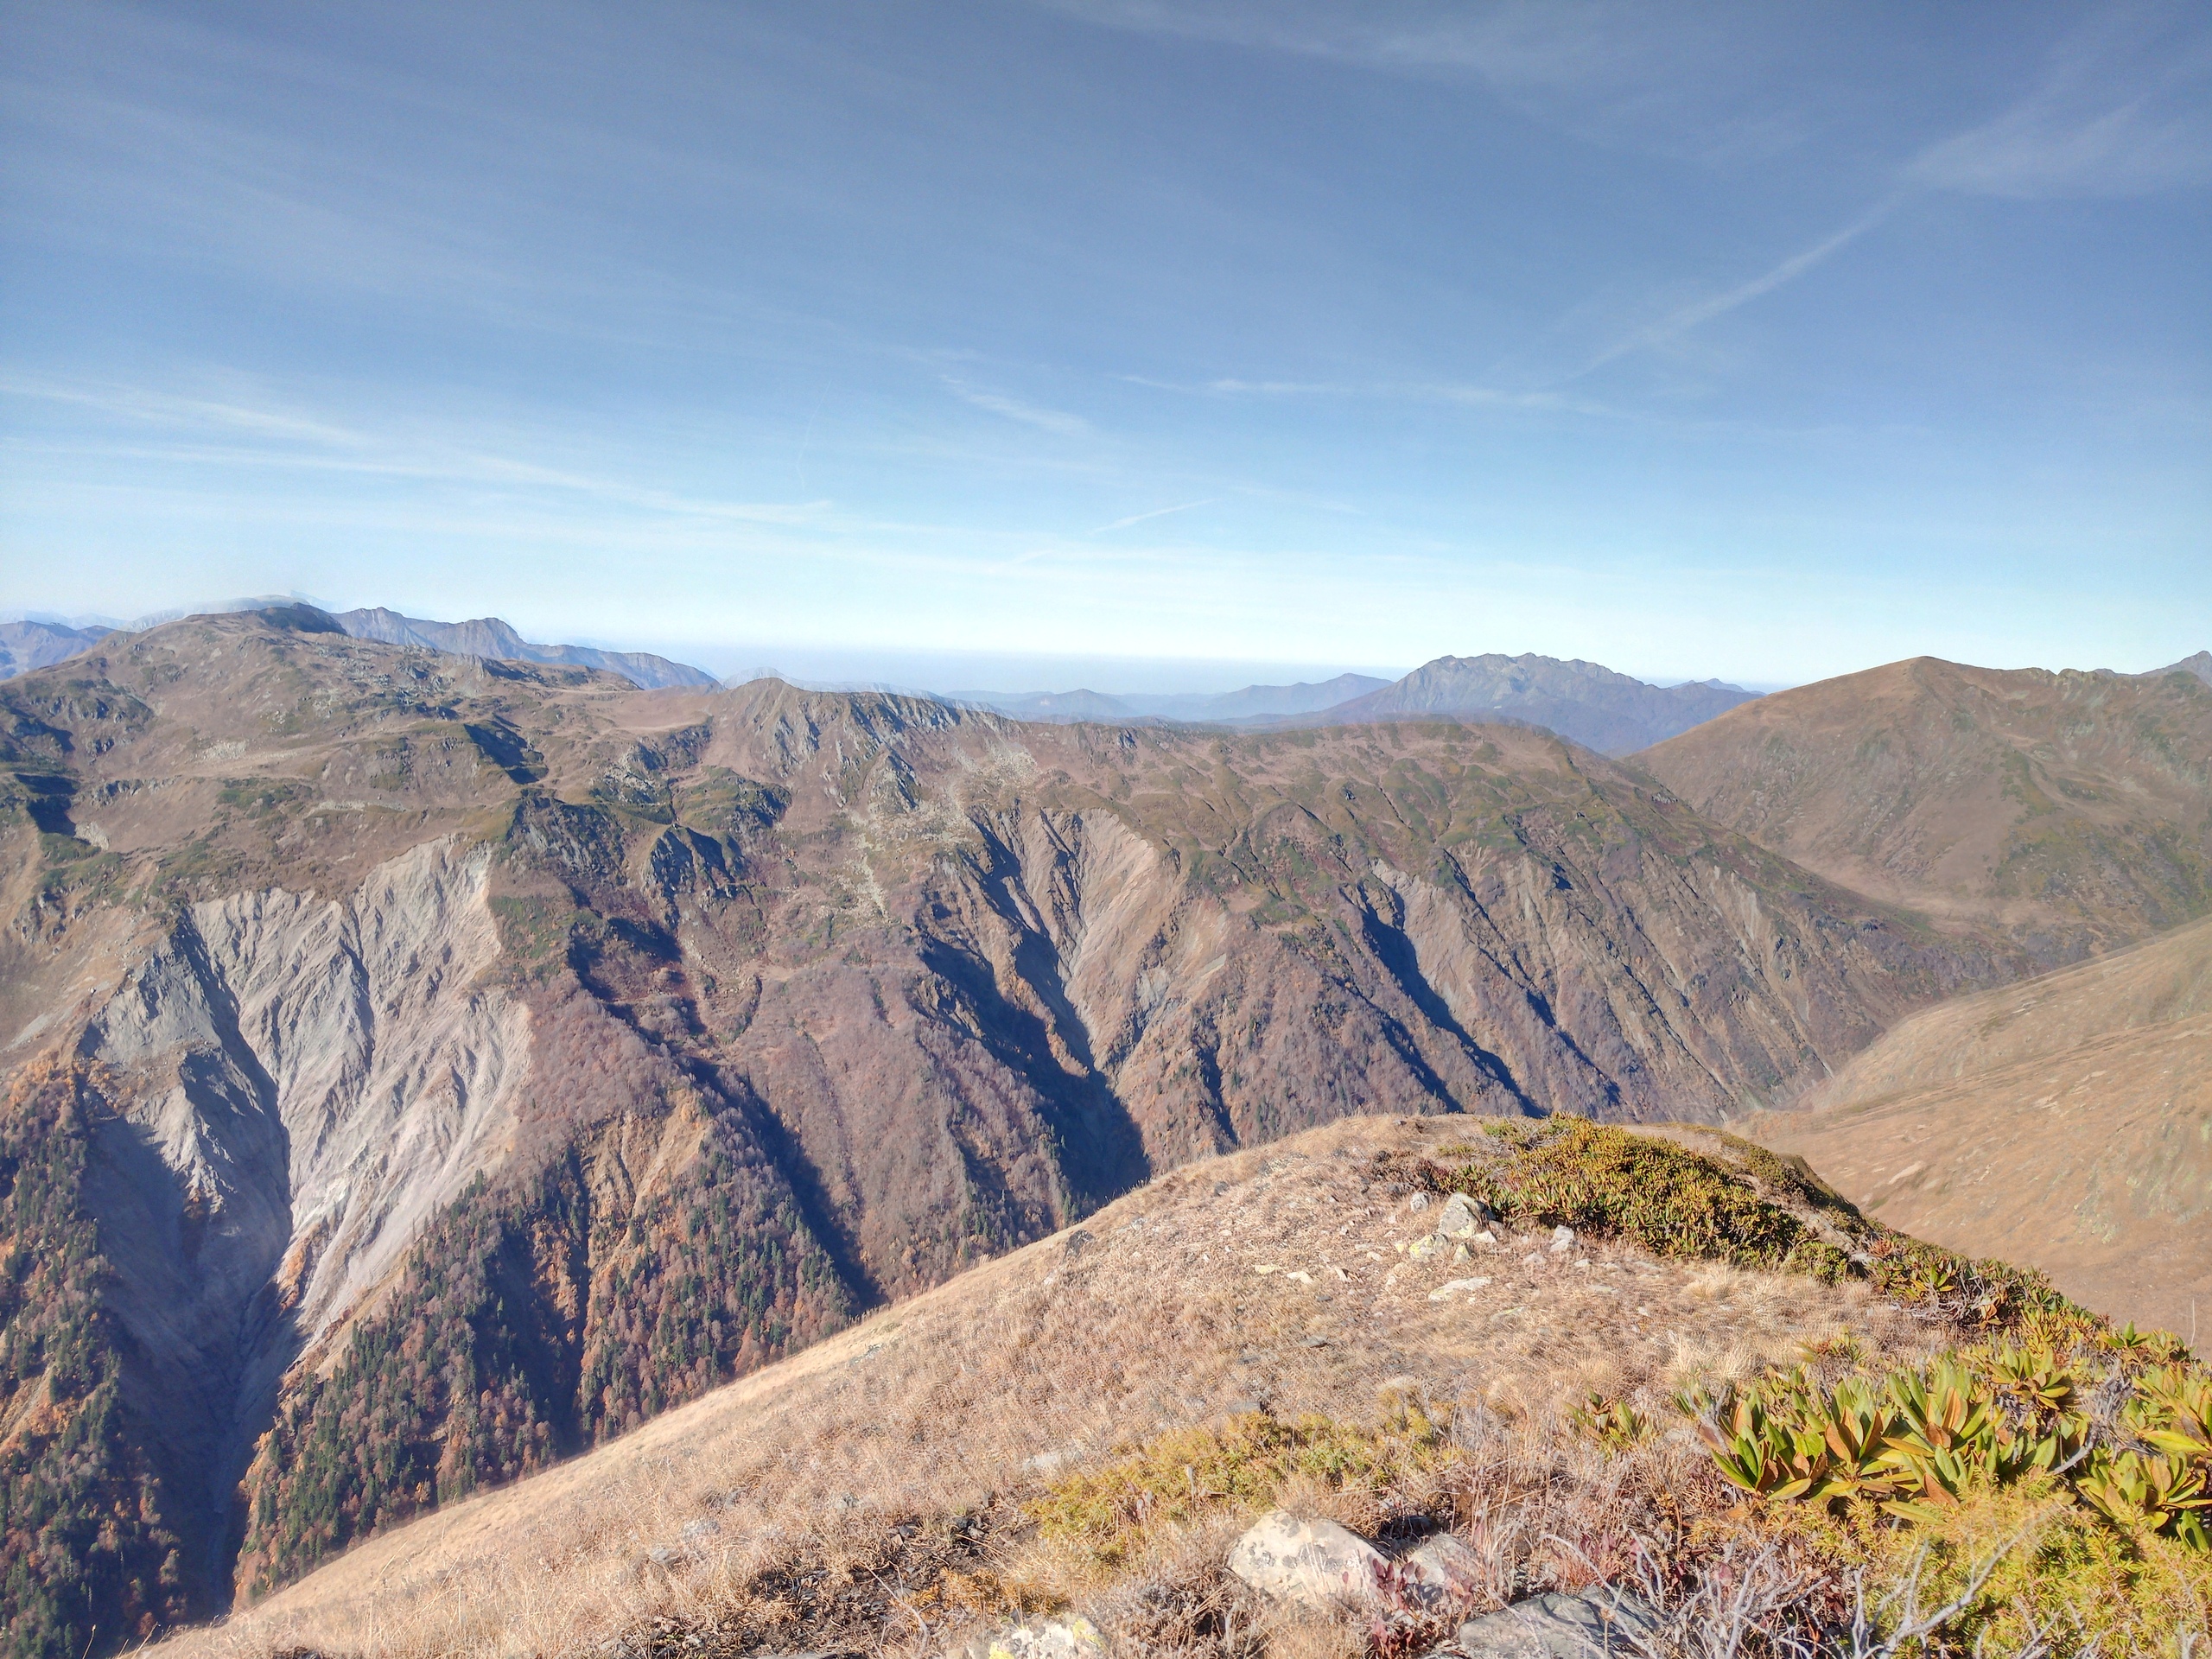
[[942, 340]]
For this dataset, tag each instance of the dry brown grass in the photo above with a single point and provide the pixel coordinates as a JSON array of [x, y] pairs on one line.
[[869, 1490], [2061, 1123]]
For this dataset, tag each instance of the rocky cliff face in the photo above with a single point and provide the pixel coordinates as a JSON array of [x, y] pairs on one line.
[[487, 1056], [303, 1085]]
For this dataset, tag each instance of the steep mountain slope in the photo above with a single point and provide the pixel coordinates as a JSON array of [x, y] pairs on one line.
[[1595, 706], [27, 645], [474, 1058], [2065, 1121], [2073, 810], [486, 636], [1087, 1423]]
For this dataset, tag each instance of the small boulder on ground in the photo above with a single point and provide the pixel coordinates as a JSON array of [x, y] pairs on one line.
[[1462, 1217], [1596, 1625], [1444, 1571], [1313, 1563], [1074, 1638], [1451, 1288]]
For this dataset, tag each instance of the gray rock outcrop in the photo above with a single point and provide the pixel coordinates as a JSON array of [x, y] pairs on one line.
[[1463, 1218], [1556, 1626]]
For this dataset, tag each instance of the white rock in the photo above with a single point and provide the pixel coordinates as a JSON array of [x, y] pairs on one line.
[[1562, 1240], [327, 1074], [1313, 1563], [1422, 1249], [1452, 1286], [1077, 1638]]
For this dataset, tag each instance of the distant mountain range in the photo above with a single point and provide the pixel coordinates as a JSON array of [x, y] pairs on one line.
[[1252, 702], [487, 636], [1595, 706], [27, 644], [1592, 704]]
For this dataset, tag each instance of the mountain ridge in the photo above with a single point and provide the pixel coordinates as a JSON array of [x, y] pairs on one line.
[[487, 636], [904, 984], [2074, 810]]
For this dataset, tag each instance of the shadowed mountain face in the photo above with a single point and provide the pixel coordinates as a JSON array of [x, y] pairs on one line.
[[460, 1060], [2065, 1123], [486, 636], [2072, 810], [1601, 709], [27, 645]]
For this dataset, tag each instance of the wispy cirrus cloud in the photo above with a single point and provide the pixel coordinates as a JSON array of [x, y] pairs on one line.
[[1683, 318], [1057, 422], [1157, 513], [1466, 394], [1698, 83], [2125, 110], [225, 431]]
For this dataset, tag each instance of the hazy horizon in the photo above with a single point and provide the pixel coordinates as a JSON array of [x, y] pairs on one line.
[[956, 673], [1721, 342]]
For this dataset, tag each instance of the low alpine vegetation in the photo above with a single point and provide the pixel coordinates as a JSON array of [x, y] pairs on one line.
[[1241, 1467], [1754, 1211], [2133, 1445]]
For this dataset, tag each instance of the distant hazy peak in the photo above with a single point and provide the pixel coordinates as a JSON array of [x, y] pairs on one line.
[[2200, 665], [487, 636], [1596, 706], [1247, 705], [25, 646]]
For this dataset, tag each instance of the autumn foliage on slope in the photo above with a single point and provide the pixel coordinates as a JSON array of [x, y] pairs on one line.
[[89, 1542], [526, 1327]]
